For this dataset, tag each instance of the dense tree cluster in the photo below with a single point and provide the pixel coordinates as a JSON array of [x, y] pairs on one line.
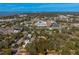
[[60, 43]]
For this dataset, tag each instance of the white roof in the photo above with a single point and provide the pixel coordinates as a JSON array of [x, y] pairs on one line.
[[16, 31], [41, 23], [62, 16]]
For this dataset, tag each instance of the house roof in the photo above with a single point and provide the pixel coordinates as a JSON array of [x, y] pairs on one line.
[[41, 23], [54, 24]]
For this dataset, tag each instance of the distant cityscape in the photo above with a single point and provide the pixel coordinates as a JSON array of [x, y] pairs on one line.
[[55, 33]]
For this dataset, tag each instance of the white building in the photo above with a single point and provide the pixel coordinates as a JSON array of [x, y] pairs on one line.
[[23, 15], [75, 24], [16, 31], [41, 23], [63, 16], [29, 35]]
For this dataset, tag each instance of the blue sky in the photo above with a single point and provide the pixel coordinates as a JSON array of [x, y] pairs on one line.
[[39, 7]]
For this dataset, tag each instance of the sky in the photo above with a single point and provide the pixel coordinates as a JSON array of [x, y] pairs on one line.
[[39, 7]]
